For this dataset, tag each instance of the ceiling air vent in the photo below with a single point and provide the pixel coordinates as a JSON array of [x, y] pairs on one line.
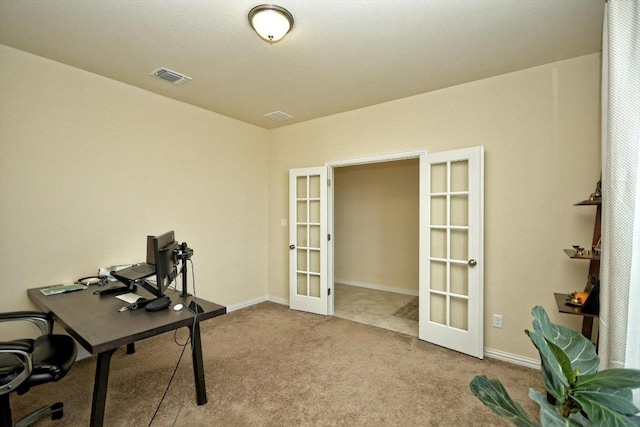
[[278, 116], [170, 76]]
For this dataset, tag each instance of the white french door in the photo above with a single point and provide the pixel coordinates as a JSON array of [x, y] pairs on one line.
[[308, 270], [451, 250], [451, 245]]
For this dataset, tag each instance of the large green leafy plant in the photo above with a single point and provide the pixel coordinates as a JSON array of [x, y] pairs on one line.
[[583, 396]]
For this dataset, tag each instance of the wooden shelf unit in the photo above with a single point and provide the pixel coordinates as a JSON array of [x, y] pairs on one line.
[[591, 307]]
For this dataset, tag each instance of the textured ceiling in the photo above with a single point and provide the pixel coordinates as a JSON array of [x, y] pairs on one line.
[[339, 56]]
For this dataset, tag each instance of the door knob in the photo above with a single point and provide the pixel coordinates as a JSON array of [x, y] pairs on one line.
[[292, 246], [472, 263]]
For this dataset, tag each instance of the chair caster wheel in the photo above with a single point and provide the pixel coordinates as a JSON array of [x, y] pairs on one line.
[[56, 411]]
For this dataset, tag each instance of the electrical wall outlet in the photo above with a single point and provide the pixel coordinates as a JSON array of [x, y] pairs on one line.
[[497, 321]]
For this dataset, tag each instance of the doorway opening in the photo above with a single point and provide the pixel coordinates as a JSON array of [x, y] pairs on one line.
[[450, 273], [376, 243]]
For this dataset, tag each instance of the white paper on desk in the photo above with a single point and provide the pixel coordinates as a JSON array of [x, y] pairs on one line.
[[129, 297]]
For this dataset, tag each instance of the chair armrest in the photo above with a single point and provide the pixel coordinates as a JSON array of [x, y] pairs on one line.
[[23, 366], [41, 320], [16, 347]]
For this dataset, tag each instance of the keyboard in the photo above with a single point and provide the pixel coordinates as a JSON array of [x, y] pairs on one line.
[[62, 289]]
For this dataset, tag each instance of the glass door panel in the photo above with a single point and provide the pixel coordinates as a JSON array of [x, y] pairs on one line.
[[459, 209], [459, 274], [459, 245], [439, 210], [314, 211], [438, 308], [438, 243], [459, 317], [301, 240], [314, 285], [459, 176], [438, 178], [449, 220], [314, 261], [438, 276]]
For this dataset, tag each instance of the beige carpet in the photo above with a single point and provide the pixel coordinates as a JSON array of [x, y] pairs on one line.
[[270, 366], [409, 311], [373, 307]]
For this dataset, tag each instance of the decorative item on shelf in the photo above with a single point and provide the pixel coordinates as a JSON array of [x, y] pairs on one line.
[[592, 304], [597, 248], [591, 284], [579, 250], [589, 299], [597, 194], [577, 299]]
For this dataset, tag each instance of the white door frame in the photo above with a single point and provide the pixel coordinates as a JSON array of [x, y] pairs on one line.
[[418, 154]]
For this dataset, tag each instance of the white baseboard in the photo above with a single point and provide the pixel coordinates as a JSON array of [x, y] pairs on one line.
[[512, 358], [82, 353], [245, 304], [278, 300], [414, 293]]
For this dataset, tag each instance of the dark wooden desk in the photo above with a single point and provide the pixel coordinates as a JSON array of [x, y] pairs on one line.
[[101, 329]]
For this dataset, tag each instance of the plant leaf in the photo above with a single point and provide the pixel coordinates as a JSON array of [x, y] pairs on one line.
[[601, 414], [493, 394], [580, 351], [552, 374], [615, 400], [564, 362], [611, 378], [550, 417]]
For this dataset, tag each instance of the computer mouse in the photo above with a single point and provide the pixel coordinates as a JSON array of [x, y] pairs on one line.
[[178, 307]]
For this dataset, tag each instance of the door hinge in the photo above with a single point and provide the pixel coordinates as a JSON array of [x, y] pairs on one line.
[[329, 237], [328, 183], [328, 291]]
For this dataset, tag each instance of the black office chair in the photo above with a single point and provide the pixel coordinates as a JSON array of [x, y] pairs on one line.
[[26, 363]]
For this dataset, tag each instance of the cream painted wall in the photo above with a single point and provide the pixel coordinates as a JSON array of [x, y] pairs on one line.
[[90, 166], [541, 132], [71, 141], [376, 224]]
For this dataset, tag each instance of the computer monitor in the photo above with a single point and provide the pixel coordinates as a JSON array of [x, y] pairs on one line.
[[165, 255]]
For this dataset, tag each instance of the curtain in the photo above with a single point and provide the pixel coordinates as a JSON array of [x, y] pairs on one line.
[[620, 261]]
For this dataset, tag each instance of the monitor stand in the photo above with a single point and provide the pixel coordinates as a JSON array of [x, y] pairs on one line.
[[118, 290], [150, 287]]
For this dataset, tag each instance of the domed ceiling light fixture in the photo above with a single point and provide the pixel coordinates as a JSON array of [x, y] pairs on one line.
[[271, 22]]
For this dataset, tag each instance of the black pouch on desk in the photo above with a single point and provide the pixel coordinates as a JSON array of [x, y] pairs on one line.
[[158, 304], [116, 290]]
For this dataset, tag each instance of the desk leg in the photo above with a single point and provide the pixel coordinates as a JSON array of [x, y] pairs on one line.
[[100, 388], [198, 364]]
